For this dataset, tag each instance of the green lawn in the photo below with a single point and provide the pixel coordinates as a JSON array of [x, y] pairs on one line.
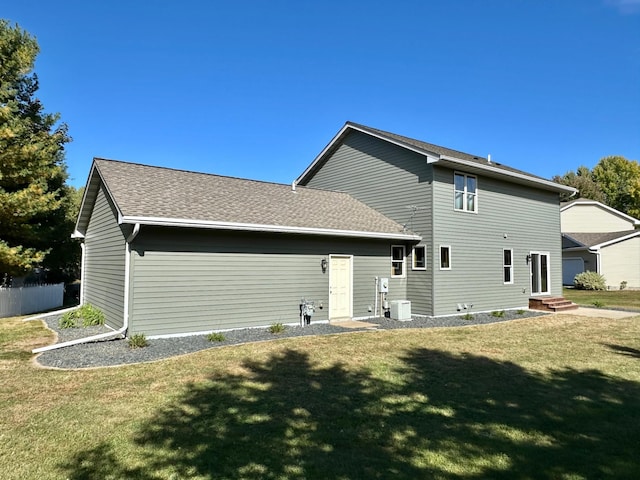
[[608, 298], [550, 397]]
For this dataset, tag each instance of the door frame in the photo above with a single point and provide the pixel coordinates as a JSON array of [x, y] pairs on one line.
[[331, 306], [537, 265]]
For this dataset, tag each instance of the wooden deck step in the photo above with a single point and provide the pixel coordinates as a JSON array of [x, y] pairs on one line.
[[551, 304]]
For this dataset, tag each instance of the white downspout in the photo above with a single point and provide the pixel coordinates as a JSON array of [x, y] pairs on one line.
[[125, 323], [82, 260]]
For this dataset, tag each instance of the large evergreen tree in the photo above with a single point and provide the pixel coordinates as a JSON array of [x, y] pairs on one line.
[[33, 194]]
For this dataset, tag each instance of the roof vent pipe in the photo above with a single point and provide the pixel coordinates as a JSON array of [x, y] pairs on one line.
[[489, 158], [293, 186]]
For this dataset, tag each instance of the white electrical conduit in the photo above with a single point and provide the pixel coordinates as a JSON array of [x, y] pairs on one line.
[[100, 336]]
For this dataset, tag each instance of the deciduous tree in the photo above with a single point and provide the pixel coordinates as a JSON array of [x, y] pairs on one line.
[[619, 180]]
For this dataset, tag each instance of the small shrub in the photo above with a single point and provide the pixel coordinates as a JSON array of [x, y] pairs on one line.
[[276, 328], [68, 320], [467, 316], [498, 313], [91, 316], [623, 285], [598, 304], [138, 340], [520, 312], [589, 281], [215, 337]]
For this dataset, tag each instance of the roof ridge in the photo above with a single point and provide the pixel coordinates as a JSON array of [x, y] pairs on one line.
[[231, 177], [397, 136]]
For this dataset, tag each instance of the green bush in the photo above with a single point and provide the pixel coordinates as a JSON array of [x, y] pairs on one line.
[[467, 316], [215, 337], [498, 313], [623, 285], [276, 328], [589, 281], [68, 320], [90, 316], [520, 312], [598, 304], [138, 340]]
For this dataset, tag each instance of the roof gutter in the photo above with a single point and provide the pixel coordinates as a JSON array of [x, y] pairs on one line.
[[125, 322], [254, 227]]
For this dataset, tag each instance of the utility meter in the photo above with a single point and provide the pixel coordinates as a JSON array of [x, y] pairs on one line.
[[383, 285]]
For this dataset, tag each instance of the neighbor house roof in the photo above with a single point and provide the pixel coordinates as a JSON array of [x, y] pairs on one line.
[[586, 201], [437, 155], [595, 241], [149, 195]]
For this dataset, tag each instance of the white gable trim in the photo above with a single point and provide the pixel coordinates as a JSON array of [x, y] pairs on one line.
[[615, 240], [612, 210], [443, 159]]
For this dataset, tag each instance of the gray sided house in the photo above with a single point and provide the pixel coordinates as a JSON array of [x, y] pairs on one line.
[[170, 252], [490, 234]]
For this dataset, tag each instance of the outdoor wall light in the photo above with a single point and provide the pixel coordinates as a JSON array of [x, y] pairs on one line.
[[323, 264], [528, 259]]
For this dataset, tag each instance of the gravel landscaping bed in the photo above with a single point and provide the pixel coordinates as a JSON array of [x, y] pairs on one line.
[[117, 351]]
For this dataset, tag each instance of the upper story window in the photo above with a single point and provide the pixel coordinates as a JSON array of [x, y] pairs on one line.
[[397, 260], [465, 192]]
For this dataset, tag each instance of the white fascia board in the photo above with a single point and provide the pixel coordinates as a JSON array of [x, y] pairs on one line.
[[323, 152], [615, 240], [629, 218], [252, 227], [546, 184]]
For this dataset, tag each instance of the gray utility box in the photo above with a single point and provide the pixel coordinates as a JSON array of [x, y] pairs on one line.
[[401, 310]]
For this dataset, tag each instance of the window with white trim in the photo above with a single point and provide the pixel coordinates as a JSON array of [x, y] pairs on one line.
[[397, 260], [507, 266], [445, 257], [465, 194], [419, 257]]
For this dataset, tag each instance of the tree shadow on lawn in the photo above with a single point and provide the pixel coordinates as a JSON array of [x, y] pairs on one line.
[[438, 415]]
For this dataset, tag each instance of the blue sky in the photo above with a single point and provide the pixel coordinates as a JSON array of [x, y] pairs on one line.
[[256, 89]]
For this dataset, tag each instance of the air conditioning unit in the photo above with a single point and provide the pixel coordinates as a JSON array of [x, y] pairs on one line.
[[401, 310]]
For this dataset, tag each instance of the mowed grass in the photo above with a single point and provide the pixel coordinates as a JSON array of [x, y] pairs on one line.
[[549, 397], [607, 298]]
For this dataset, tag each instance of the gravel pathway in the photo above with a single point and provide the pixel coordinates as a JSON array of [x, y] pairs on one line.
[[117, 352]]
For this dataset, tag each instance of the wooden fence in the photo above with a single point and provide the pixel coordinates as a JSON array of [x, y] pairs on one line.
[[31, 299]]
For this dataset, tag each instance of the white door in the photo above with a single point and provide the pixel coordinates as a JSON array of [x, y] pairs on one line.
[[340, 287], [539, 273]]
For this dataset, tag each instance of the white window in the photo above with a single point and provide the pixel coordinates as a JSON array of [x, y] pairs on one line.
[[507, 265], [397, 260], [419, 257], [465, 192], [445, 257]]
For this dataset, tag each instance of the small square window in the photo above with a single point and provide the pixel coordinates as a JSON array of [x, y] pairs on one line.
[[397, 260], [445, 257], [419, 257]]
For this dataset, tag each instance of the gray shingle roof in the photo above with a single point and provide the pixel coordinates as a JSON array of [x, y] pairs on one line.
[[591, 239], [431, 148], [141, 191]]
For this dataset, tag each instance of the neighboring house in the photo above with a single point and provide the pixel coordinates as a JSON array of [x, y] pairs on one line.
[[169, 252], [598, 238], [490, 234]]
